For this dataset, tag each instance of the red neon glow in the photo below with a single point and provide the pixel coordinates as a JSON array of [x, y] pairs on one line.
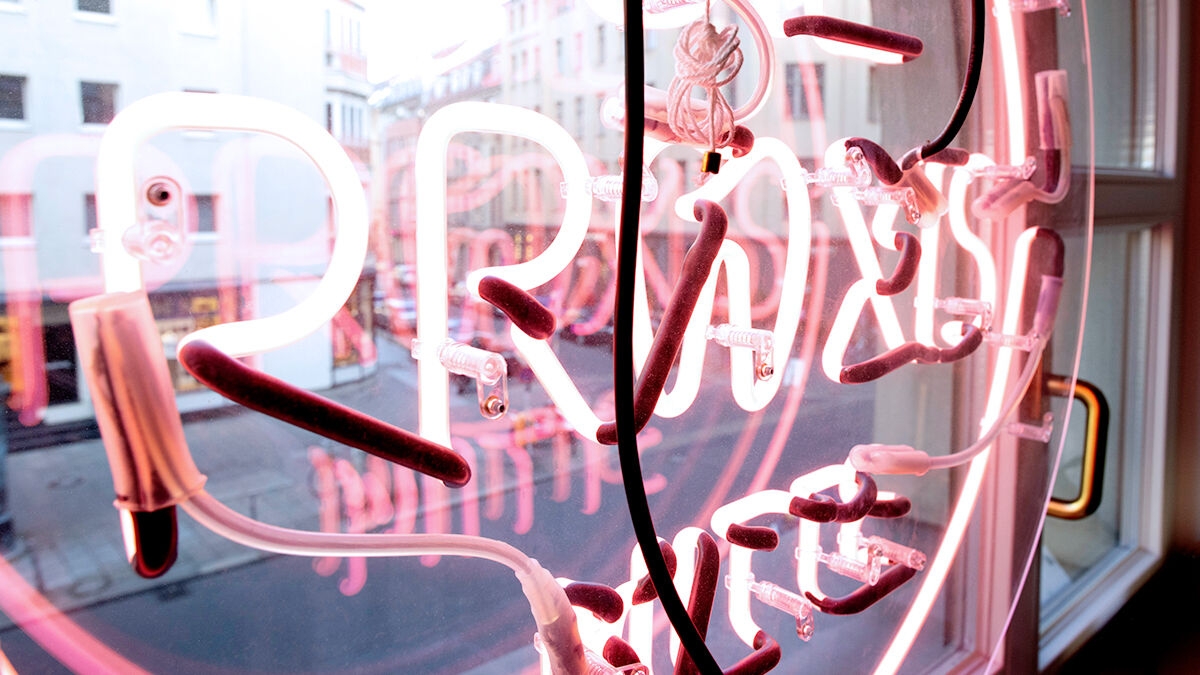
[[575, 282], [54, 631]]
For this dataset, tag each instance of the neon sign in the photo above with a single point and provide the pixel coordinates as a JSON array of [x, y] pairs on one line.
[[839, 498]]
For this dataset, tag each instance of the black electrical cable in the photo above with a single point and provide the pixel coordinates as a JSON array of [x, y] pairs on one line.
[[623, 380], [970, 84]]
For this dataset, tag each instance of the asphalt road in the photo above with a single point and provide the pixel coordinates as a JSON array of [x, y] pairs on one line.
[[277, 615]]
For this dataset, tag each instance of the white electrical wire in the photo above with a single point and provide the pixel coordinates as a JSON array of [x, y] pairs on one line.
[[709, 59], [904, 459], [547, 600], [1018, 392]]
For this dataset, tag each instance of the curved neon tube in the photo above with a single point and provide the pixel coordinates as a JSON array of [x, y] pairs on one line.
[[960, 180], [431, 231], [1001, 201], [862, 291], [809, 532], [740, 511], [750, 392], [902, 459], [116, 204], [939, 566]]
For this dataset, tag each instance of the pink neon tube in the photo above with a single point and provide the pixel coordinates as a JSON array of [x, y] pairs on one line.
[[939, 567]]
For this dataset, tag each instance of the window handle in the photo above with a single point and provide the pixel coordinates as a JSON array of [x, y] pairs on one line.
[[1095, 446]]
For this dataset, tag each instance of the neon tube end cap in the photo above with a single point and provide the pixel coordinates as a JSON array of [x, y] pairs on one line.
[[889, 459]]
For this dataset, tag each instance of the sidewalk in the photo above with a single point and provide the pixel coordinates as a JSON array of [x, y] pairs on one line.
[[61, 497]]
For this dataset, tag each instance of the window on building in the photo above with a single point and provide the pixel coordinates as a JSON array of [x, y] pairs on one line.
[[99, 101], [204, 215], [579, 111], [97, 6], [600, 98], [90, 221], [794, 81], [874, 98], [329, 117], [62, 383], [560, 56], [601, 31], [558, 112], [12, 97]]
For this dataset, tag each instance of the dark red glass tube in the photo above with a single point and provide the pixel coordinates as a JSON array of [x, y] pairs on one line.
[[752, 536], [644, 591], [866, 595], [519, 306], [908, 47], [601, 600], [272, 396], [906, 268], [696, 266], [824, 509], [704, 592]]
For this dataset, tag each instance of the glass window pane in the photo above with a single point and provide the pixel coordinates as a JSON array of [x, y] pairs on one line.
[[99, 102], [1114, 358], [250, 231], [12, 97], [1126, 74], [98, 6]]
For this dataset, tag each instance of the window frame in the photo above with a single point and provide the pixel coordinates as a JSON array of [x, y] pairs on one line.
[[101, 87], [1123, 199]]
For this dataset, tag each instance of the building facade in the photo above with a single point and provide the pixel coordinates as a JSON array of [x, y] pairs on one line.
[[66, 68]]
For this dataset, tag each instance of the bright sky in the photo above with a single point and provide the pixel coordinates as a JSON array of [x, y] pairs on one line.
[[402, 35]]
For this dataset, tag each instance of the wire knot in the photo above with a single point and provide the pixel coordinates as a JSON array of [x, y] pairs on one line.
[[709, 59]]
